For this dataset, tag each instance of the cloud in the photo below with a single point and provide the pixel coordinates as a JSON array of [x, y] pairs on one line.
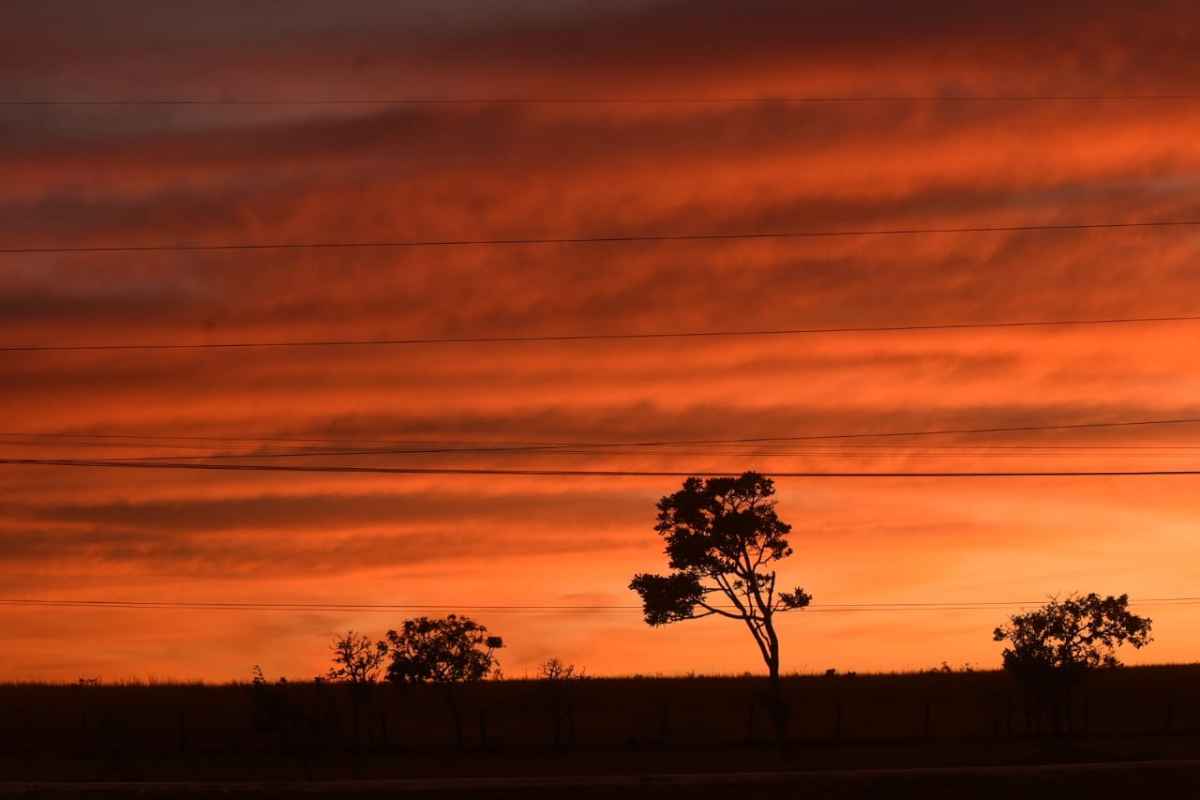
[[118, 175], [417, 512]]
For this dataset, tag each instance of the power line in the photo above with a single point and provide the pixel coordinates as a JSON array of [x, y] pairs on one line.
[[567, 101], [166, 438], [566, 473], [756, 452], [986, 448], [610, 239], [641, 444], [517, 608], [746, 453], [590, 337]]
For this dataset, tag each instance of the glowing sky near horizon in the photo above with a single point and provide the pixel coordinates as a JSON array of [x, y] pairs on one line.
[[101, 175]]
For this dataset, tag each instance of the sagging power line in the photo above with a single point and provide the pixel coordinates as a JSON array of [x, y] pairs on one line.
[[152, 605], [645, 443], [568, 473], [595, 337], [612, 100], [599, 239]]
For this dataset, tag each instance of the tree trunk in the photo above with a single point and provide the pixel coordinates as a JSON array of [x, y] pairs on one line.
[[356, 718], [777, 707], [456, 717], [556, 724]]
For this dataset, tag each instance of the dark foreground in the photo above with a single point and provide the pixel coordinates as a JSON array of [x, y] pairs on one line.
[[917, 735], [1118, 780]]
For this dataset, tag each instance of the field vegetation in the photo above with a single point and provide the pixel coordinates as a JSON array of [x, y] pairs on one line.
[[577, 725]]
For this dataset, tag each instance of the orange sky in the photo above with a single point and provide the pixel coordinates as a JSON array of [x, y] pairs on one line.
[[121, 175]]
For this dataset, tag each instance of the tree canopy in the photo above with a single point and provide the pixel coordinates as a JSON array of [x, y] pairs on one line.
[[448, 650], [1071, 635]]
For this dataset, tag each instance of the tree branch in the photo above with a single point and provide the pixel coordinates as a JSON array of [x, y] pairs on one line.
[[752, 584], [723, 582], [714, 610]]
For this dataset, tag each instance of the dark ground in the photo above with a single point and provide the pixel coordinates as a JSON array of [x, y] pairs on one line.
[[1157, 779], [926, 735]]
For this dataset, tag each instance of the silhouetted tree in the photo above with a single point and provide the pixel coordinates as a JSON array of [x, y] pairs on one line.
[[556, 678], [357, 661], [1051, 649], [722, 536], [449, 651], [270, 702], [555, 669]]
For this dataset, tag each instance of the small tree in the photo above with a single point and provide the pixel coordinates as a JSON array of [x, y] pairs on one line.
[[356, 659], [446, 652], [1051, 649], [556, 670], [722, 536], [270, 701], [557, 678]]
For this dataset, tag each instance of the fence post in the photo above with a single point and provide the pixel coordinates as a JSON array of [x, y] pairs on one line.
[[182, 730], [317, 740], [483, 729], [927, 722], [571, 725], [556, 724], [837, 720], [750, 723], [85, 742], [29, 743]]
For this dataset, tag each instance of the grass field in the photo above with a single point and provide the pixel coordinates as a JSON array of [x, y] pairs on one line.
[[306, 731], [1096, 781]]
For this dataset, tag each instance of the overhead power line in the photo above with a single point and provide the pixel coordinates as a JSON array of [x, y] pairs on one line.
[[490, 447], [136, 437], [602, 239], [770, 450], [567, 473], [760, 455], [612, 100], [746, 453], [593, 337], [451, 448], [159, 605]]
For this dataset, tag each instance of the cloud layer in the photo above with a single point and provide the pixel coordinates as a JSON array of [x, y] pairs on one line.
[[115, 175]]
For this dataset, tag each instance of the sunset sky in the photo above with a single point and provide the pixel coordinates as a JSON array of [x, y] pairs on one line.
[[114, 175]]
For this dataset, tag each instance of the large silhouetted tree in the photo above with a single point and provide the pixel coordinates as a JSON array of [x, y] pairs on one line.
[[448, 652], [722, 539], [1052, 648]]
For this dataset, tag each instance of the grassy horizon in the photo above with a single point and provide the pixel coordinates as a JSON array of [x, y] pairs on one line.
[[156, 681]]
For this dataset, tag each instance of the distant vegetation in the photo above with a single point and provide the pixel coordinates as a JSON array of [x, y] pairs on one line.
[[305, 729], [434, 681], [1052, 649], [722, 539]]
